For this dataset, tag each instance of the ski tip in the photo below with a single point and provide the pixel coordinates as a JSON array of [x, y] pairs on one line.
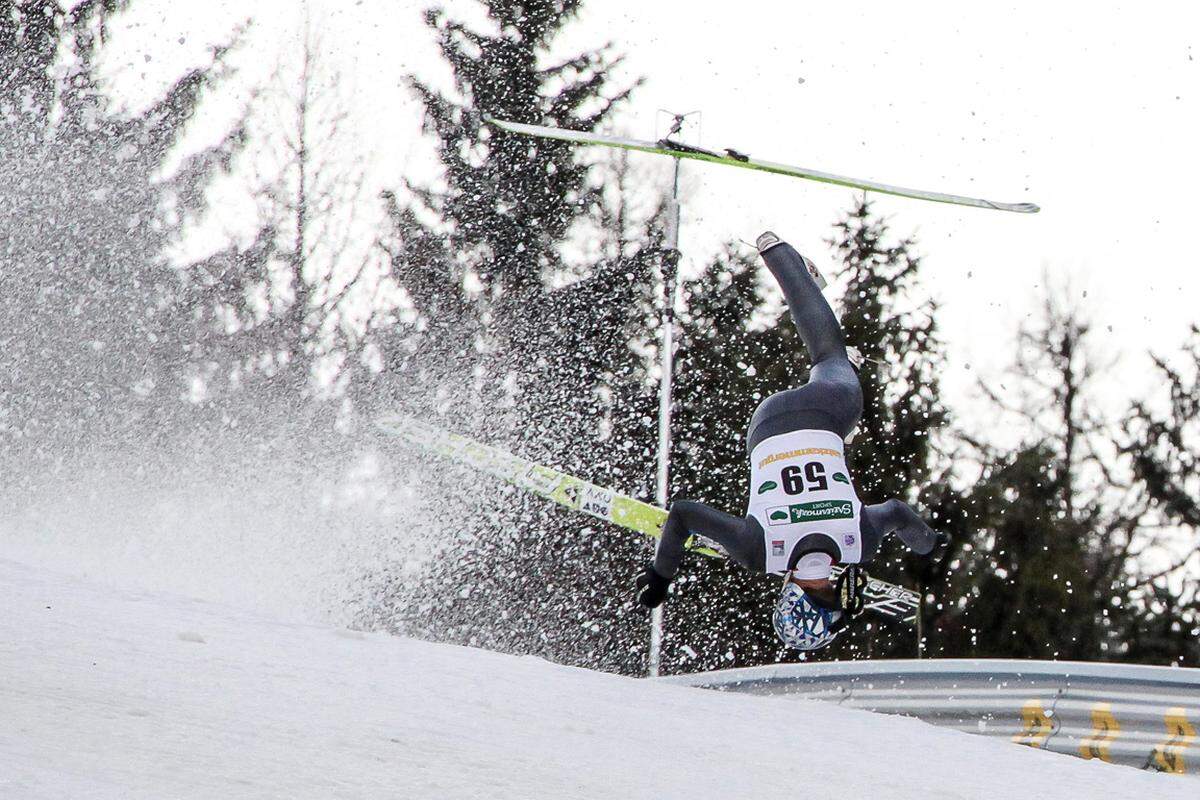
[[1020, 208], [501, 124]]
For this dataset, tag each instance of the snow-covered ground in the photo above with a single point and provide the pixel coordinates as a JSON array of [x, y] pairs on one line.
[[111, 693]]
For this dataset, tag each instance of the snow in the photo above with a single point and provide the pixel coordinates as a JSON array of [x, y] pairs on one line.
[[110, 692]]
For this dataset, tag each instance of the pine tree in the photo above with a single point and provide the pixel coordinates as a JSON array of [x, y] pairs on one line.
[[519, 344], [1030, 597], [1165, 439], [475, 256], [98, 320], [1162, 623], [1162, 439], [1046, 573], [893, 452]]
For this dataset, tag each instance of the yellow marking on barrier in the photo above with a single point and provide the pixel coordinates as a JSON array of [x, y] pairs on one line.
[[1168, 755], [1105, 730], [1036, 725]]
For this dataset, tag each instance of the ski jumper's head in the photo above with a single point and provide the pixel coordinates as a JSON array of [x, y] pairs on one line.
[[803, 620], [810, 614]]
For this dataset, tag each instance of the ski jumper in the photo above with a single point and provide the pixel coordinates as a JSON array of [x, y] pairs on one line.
[[804, 514]]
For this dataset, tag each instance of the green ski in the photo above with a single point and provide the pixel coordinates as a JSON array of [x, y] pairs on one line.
[[566, 490], [606, 504], [733, 158]]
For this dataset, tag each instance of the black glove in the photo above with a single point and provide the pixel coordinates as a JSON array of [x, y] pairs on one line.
[[651, 587]]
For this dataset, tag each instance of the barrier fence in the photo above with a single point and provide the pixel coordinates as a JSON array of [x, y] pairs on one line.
[[1145, 717]]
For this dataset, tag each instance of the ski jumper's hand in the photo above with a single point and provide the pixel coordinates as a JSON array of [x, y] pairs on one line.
[[651, 587], [894, 516]]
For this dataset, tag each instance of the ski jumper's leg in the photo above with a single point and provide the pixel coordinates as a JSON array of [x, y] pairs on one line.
[[832, 399], [894, 516], [742, 538], [814, 319]]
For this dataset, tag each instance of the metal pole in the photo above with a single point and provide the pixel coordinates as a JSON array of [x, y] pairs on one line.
[[921, 625], [670, 290]]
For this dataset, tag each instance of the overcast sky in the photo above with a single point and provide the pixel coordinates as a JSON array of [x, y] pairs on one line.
[[1092, 114]]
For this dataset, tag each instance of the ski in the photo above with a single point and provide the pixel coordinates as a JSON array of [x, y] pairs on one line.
[[734, 158], [611, 506]]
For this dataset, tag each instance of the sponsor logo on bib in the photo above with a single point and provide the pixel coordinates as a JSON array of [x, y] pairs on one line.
[[840, 477], [777, 547], [818, 511], [794, 454]]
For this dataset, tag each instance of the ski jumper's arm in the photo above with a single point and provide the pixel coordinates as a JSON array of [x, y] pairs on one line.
[[894, 516], [740, 537]]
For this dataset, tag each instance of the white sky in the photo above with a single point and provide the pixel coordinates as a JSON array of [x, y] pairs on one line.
[[1092, 114]]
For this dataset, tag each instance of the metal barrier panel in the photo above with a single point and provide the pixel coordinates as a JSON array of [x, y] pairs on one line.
[[1145, 717]]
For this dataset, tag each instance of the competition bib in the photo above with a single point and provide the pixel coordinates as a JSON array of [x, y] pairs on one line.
[[800, 492]]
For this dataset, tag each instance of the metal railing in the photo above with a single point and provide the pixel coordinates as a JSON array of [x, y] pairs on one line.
[[1145, 717]]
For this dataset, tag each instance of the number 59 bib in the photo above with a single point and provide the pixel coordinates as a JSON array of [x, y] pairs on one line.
[[801, 494]]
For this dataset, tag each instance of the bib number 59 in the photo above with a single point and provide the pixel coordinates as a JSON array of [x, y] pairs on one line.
[[812, 475]]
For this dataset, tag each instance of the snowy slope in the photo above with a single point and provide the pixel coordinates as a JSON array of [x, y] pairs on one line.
[[114, 694]]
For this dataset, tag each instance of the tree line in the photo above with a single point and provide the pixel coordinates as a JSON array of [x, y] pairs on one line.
[[508, 329]]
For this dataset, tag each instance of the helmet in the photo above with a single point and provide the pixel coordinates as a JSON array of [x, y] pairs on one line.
[[804, 623]]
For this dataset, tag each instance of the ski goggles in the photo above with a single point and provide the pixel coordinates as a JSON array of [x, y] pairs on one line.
[[849, 596]]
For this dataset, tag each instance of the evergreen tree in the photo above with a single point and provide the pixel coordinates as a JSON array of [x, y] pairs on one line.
[[1046, 573], [98, 320], [1030, 594], [1162, 622], [484, 248], [1162, 439], [516, 342], [529, 577], [893, 453], [1165, 439]]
